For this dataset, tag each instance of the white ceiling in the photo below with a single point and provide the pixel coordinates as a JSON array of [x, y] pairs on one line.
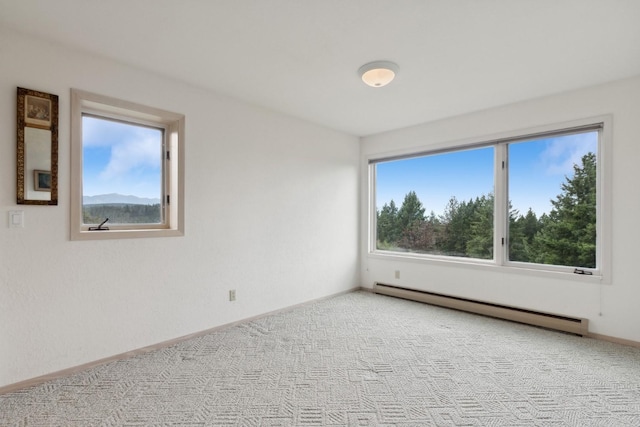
[[300, 57]]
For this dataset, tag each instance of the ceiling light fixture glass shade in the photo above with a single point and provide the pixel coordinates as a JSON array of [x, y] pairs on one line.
[[378, 73]]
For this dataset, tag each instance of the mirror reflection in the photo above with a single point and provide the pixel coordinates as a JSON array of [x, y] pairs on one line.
[[37, 149], [37, 163]]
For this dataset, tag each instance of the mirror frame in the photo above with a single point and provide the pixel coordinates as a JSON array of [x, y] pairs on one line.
[[49, 123]]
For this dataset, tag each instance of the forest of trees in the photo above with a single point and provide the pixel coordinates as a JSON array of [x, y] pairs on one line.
[[121, 213], [564, 236]]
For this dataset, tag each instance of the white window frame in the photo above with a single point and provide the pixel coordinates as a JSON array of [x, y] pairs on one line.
[[500, 262], [173, 126]]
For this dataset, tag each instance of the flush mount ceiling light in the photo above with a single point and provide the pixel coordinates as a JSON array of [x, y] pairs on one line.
[[378, 73]]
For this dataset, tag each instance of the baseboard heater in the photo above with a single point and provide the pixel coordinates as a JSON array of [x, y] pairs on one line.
[[557, 322]]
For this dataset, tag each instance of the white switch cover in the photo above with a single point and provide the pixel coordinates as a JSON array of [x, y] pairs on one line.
[[16, 219]]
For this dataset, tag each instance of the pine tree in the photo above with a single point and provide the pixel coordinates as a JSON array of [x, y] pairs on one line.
[[414, 234], [387, 220], [457, 220], [480, 235], [522, 230], [411, 211], [568, 234]]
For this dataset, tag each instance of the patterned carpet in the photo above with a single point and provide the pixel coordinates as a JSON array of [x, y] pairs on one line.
[[357, 359]]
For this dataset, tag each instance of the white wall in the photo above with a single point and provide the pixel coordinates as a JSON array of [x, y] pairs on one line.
[[271, 211], [611, 308]]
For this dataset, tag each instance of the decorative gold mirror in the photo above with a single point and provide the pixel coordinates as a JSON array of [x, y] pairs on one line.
[[37, 148]]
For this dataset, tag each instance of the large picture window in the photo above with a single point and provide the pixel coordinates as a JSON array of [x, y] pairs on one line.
[[531, 201]]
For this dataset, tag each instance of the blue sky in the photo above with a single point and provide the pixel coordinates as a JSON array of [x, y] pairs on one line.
[[121, 158], [537, 170]]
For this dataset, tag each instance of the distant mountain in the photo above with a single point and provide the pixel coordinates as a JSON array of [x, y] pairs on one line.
[[118, 198]]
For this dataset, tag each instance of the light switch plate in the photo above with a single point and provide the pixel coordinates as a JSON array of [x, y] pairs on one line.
[[16, 219]]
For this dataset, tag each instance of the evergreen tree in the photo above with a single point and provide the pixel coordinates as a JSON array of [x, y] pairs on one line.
[[410, 212], [387, 220], [522, 230], [447, 238], [480, 234], [568, 233], [413, 231], [121, 213], [457, 220]]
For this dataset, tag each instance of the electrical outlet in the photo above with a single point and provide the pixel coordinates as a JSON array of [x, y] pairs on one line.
[[397, 274], [232, 295]]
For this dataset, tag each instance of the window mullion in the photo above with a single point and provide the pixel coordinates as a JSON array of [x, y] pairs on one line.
[[373, 218], [501, 208]]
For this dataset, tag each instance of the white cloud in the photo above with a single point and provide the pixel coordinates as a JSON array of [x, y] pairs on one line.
[[121, 158], [562, 153], [101, 132], [140, 150]]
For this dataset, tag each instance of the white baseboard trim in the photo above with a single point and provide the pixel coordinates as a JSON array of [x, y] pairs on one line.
[[126, 355], [614, 340]]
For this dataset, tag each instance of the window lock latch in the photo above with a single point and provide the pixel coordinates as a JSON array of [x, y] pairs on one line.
[[583, 272], [100, 227]]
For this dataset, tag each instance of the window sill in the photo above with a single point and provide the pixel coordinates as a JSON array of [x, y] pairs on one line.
[[125, 234], [486, 265]]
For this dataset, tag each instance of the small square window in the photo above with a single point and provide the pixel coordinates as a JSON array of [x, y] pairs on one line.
[[127, 169]]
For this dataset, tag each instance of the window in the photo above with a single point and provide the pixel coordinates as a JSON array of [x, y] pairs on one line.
[[437, 207], [553, 195], [531, 202], [127, 166]]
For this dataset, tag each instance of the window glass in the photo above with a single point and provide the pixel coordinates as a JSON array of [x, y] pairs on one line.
[[121, 172], [553, 194], [440, 204]]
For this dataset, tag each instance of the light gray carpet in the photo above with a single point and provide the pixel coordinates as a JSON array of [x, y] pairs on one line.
[[357, 359]]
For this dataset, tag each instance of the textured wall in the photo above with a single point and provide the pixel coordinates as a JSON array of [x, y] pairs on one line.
[[271, 211], [611, 308]]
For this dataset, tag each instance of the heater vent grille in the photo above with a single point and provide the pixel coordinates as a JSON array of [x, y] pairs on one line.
[[574, 325]]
